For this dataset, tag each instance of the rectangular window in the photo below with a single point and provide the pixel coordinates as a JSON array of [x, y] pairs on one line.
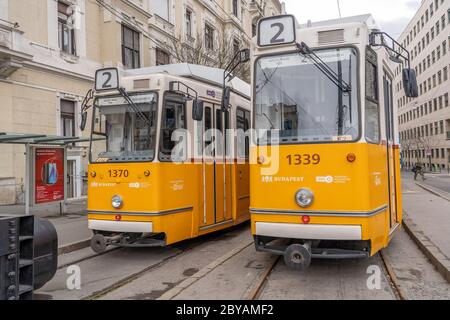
[[235, 8], [372, 105], [188, 23], [67, 118], [243, 123], [66, 33], [130, 48], [161, 8], [162, 57], [209, 37], [173, 118]]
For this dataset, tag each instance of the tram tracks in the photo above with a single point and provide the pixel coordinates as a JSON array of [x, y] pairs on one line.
[[392, 277], [260, 279]]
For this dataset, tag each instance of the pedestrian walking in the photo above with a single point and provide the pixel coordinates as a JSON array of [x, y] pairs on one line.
[[418, 170]]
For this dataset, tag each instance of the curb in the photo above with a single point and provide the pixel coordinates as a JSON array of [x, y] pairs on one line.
[[74, 247], [432, 190], [428, 248]]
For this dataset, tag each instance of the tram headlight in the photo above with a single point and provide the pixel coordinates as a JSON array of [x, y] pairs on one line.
[[117, 202], [304, 198]]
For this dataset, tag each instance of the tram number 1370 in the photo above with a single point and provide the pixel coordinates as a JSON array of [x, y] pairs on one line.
[[303, 159], [118, 173]]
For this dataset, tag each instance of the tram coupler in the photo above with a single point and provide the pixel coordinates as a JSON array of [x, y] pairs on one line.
[[99, 242], [298, 256]]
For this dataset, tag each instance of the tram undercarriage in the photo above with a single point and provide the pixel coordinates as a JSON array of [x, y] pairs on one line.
[[298, 253], [101, 240]]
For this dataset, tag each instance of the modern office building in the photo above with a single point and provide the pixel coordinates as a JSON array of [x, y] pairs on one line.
[[425, 121]]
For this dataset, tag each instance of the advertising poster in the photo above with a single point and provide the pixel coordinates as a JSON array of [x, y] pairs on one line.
[[49, 175]]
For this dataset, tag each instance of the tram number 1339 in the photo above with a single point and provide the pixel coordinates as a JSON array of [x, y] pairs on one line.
[[303, 159]]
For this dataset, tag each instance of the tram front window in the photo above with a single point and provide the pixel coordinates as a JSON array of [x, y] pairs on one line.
[[130, 130], [296, 102]]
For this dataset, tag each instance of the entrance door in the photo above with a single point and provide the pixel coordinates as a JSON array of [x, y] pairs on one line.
[[71, 179], [391, 155], [214, 168]]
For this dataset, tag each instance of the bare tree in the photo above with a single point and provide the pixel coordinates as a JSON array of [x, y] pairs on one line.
[[196, 52], [416, 144]]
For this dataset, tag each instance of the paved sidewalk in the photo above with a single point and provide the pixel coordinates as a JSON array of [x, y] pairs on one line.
[[72, 227], [76, 206], [73, 232], [427, 218]]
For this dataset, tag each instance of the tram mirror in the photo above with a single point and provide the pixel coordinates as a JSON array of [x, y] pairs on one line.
[[83, 121], [226, 97], [197, 110], [410, 83]]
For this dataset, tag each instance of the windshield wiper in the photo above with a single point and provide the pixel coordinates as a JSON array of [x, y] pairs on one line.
[[135, 107], [306, 51]]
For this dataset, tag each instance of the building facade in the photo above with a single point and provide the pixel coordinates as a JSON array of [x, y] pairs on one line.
[[425, 121], [50, 50]]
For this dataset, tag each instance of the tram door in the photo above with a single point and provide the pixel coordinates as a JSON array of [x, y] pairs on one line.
[[390, 135], [214, 169]]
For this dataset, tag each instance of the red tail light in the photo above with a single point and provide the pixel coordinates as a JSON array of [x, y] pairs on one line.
[[306, 219]]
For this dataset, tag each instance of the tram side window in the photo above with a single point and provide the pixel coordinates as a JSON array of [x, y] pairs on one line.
[[173, 118], [243, 123], [208, 126], [372, 102]]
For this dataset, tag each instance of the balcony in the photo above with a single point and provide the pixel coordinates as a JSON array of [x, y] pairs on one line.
[[161, 24], [12, 55]]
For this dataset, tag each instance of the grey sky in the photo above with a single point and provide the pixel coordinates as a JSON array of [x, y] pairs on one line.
[[391, 15]]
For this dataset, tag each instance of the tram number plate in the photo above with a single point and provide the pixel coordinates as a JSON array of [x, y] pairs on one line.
[[119, 173], [303, 159]]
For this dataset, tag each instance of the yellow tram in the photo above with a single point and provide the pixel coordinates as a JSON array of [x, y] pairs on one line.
[[144, 189], [325, 173]]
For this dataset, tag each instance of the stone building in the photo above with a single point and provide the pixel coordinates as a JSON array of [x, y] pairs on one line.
[[50, 49]]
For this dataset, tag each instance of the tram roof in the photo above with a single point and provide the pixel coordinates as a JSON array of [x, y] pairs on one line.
[[363, 19], [197, 72]]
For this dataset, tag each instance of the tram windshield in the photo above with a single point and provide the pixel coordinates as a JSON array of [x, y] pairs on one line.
[[130, 129], [296, 102]]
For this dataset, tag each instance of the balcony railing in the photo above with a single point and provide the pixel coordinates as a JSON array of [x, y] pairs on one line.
[[11, 49]]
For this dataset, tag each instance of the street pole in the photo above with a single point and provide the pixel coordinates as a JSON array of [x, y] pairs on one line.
[[27, 179], [339, 9]]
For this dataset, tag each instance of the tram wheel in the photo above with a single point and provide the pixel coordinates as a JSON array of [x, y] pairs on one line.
[[297, 257], [98, 243]]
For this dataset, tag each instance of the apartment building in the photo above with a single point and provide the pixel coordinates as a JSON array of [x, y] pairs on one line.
[[50, 49], [424, 122]]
